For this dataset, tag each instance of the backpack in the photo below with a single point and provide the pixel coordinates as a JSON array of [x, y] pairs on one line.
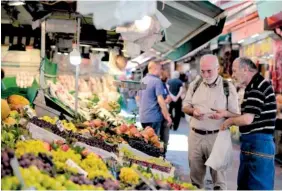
[[225, 88]]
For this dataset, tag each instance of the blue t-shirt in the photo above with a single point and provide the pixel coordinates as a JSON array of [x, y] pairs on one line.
[[174, 85], [149, 109]]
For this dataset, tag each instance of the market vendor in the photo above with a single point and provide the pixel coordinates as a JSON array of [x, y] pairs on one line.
[[206, 95], [152, 106]]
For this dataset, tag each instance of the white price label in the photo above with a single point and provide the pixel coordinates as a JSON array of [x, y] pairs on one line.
[[60, 125], [72, 164], [29, 111]]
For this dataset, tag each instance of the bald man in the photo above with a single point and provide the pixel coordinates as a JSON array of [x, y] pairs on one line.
[[152, 106], [205, 101]]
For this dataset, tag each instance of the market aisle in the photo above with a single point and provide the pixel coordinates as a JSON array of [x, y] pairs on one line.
[[178, 155]]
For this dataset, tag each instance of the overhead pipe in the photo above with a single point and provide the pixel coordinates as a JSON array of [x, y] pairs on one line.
[[191, 12]]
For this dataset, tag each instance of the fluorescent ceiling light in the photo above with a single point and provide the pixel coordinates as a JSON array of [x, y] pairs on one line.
[[15, 3], [100, 49], [241, 41], [85, 45], [66, 53], [255, 35], [59, 53]]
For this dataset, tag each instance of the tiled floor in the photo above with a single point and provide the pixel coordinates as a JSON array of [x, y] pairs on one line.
[[178, 155]]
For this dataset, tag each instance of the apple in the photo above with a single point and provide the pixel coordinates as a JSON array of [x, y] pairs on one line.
[[97, 122], [65, 147], [133, 131], [59, 142], [86, 123], [85, 152], [123, 128], [47, 146], [131, 126], [137, 134]]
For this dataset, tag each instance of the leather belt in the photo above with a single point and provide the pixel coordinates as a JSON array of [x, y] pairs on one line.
[[202, 132]]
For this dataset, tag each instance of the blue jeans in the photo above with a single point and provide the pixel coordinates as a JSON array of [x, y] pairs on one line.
[[155, 125], [257, 168]]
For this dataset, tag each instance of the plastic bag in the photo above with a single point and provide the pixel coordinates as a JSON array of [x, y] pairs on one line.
[[221, 156]]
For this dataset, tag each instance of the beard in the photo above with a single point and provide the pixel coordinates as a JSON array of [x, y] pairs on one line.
[[209, 80]]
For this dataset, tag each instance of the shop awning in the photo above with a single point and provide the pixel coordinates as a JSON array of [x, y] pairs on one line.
[[193, 24]]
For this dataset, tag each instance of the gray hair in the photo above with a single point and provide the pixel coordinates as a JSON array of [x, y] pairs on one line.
[[175, 74], [243, 61], [210, 57]]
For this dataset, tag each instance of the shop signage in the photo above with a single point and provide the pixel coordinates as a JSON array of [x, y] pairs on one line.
[[258, 49]]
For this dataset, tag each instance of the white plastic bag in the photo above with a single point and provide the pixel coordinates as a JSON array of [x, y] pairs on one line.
[[221, 156]]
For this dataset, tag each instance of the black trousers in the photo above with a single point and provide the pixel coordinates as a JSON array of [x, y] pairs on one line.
[[164, 134], [177, 107]]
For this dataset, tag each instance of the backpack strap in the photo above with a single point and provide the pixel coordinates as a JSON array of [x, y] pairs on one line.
[[197, 84], [226, 90]]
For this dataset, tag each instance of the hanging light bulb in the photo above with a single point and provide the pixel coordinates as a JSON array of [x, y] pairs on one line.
[[144, 23], [75, 58]]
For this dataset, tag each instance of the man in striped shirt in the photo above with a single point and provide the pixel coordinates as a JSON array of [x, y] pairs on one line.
[[256, 124]]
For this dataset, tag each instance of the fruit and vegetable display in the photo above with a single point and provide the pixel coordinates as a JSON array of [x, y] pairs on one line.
[[87, 101], [60, 164]]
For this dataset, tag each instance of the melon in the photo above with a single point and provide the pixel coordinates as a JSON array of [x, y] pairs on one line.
[[5, 109], [17, 100]]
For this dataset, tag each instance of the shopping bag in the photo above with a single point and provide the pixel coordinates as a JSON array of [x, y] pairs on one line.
[[222, 153]]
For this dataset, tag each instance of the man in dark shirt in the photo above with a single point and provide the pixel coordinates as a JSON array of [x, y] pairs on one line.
[[256, 124], [175, 88]]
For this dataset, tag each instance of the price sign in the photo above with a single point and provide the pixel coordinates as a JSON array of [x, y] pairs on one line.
[[72, 164], [29, 111], [60, 125], [16, 169]]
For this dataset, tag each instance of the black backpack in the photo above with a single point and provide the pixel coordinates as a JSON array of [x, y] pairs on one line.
[[225, 88]]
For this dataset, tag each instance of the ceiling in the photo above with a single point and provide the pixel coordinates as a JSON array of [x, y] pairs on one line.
[[23, 17], [187, 22]]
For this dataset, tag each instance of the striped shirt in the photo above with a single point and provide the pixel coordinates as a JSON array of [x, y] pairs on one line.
[[259, 99]]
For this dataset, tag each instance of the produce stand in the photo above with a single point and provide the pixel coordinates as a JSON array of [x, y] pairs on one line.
[[44, 144]]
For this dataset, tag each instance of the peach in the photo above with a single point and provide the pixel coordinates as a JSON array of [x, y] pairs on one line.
[[123, 128]]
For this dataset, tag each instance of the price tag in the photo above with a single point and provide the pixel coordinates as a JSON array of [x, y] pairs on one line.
[[22, 138], [72, 164], [28, 111], [60, 125], [148, 182], [16, 169]]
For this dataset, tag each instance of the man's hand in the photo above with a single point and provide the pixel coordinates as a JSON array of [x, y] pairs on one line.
[[169, 121], [218, 115], [197, 114], [227, 123], [168, 100]]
